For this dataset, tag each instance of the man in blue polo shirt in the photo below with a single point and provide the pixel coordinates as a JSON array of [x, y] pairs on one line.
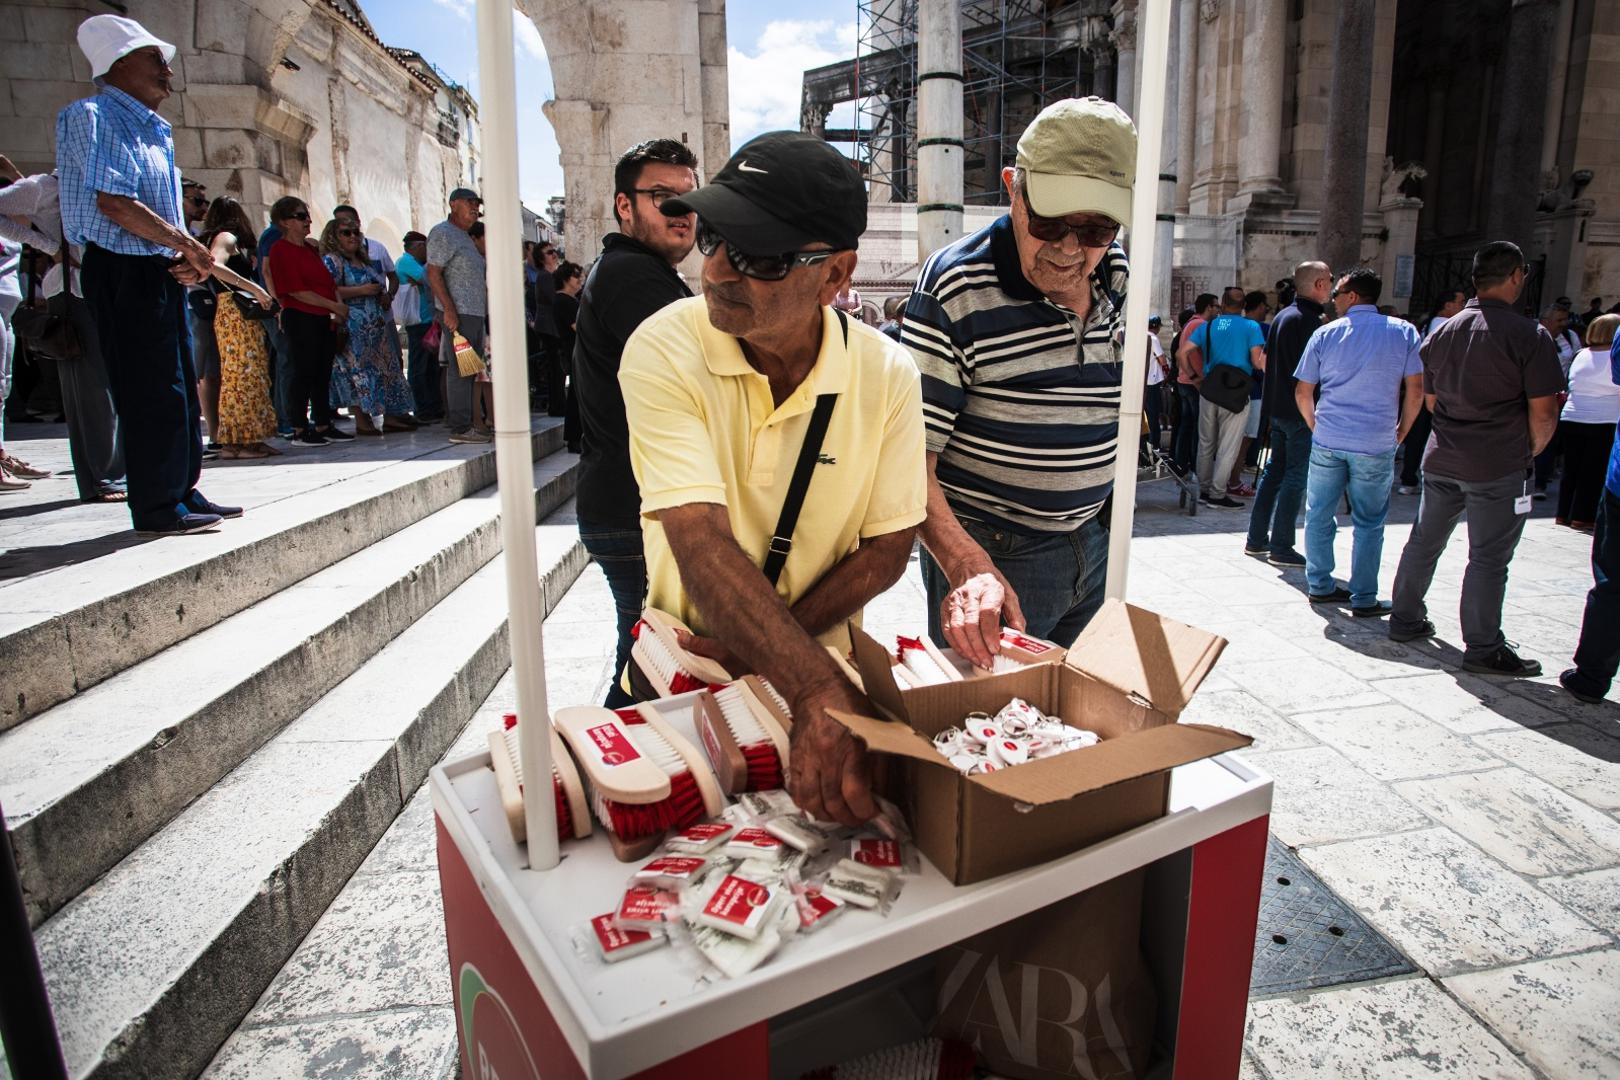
[[1233, 340], [1018, 332], [1371, 377]]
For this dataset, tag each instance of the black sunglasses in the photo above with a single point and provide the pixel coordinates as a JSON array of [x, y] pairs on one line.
[[1053, 230], [759, 267], [301, 215], [348, 232]]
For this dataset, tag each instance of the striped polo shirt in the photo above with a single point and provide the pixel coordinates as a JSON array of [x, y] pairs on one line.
[[1020, 397]]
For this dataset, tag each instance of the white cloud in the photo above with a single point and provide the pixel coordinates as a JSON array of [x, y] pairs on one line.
[[461, 8], [766, 82], [527, 34]]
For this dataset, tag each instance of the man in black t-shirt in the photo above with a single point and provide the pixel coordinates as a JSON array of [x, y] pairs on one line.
[[634, 277]]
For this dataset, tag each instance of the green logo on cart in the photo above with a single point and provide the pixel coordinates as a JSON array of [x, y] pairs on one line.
[[494, 1045]]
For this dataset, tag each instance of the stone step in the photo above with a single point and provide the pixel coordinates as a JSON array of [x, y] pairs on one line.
[[87, 781], [152, 967], [62, 632]]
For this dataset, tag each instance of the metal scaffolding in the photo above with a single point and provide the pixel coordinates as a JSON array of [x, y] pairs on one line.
[[1018, 56]]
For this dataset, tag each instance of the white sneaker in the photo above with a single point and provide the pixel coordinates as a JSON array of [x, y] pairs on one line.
[[1407, 489]]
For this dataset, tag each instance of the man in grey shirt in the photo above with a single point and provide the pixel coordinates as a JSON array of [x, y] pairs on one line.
[[455, 274]]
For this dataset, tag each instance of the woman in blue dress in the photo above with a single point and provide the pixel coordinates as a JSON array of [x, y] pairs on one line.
[[368, 378]]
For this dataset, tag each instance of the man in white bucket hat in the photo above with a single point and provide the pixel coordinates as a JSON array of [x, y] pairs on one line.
[[120, 192]]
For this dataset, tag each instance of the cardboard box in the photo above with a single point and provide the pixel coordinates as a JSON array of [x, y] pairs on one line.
[[1128, 677]]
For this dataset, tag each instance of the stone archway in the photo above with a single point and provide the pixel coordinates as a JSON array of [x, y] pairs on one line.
[[626, 71]]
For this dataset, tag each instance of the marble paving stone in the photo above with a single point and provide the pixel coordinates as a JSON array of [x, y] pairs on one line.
[[1525, 822], [1388, 1031], [1465, 703], [1248, 1069], [1561, 1013], [1546, 692], [1251, 641], [1595, 895], [1445, 904], [412, 1044], [1392, 742], [379, 946], [1572, 757], [1320, 797], [408, 845], [1240, 711], [1302, 685]]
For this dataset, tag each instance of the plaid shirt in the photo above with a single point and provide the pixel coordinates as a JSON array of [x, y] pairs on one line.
[[113, 143]]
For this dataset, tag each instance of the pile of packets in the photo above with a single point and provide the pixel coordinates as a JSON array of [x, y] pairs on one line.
[[1018, 733], [732, 891]]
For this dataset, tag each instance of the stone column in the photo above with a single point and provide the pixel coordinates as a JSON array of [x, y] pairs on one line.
[[1186, 100], [714, 73], [1515, 174], [1102, 80], [1164, 229], [1264, 41], [939, 127], [1125, 44], [1345, 160], [1401, 223]]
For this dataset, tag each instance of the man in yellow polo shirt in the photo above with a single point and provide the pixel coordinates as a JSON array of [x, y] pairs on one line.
[[721, 392]]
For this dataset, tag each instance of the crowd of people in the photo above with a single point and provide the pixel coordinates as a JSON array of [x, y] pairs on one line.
[[981, 418]]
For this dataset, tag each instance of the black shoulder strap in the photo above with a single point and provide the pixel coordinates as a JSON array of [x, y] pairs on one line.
[[803, 470]]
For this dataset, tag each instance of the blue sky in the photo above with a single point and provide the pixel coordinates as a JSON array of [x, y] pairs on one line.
[[770, 43]]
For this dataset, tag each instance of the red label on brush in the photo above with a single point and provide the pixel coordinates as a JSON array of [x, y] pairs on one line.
[[1028, 644], [739, 901], [875, 852], [815, 907], [672, 866], [644, 905], [711, 742], [757, 838], [610, 744], [612, 939]]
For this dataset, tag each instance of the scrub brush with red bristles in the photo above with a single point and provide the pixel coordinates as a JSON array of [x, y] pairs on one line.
[[645, 778], [573, 814], [667, 668], [748, 746]]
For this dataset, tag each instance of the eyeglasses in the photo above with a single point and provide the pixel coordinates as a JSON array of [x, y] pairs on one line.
[[300, 215], [657, 195], [348, 232], [758, 267], [196, 198], [1053, 230], [548, 253]]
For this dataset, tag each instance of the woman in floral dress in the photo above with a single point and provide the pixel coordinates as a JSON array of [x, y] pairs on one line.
[[366, 378], [246, 416]]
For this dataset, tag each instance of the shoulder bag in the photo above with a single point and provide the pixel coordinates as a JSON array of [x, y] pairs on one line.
[[47, 330], [1224, 384], [782, 538]]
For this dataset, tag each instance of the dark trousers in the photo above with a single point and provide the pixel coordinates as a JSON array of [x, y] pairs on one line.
[[571, 426], [92, 423], [1586, 463], [1275, 516], [556, 380], [140, 313], [1494, 528], [617, 549], [423, 368], [1153, 409], [1547, 460], [1186, 441], [1597, 657], [1417, 440], [284, 376], [310, 339]]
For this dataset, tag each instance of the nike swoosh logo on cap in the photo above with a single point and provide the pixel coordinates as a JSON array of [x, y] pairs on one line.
[[743, 166]]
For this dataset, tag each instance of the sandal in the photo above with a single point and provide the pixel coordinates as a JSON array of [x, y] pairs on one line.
[[398, 423], [20, 468], [269, 451], [107, 497], [242, 453]]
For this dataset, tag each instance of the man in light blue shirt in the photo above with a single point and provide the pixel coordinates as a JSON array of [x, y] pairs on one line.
[[1370, 375], [1227, 339]]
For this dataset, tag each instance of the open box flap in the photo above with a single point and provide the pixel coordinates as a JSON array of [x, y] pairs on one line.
[[889, 737], [1158, 662], [1110, 762], [873, 662]]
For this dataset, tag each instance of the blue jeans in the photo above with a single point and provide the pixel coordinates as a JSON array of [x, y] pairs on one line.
[[1366, 478], [1282, 487], [1058, 577], [618, 551], [1598, 655], [282, 375]]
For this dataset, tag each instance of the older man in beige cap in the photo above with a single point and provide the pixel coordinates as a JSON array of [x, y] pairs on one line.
[[1018, 332]]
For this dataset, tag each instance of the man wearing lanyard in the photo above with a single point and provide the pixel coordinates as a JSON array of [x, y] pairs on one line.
[[120, 193]]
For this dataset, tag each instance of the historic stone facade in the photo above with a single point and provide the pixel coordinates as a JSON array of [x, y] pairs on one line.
[[273, 97]]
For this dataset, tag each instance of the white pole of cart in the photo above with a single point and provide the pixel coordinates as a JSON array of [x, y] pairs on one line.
[[514, 457], [1153, 23]]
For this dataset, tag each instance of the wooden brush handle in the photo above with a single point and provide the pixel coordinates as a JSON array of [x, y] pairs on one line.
[[606, 753]]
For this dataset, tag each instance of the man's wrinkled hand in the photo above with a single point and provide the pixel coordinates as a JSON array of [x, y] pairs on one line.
[[972, 615], [712, 649], [829, 775]]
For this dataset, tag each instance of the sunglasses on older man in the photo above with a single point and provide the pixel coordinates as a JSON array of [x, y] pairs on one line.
[[1053, 230], [759, 267]]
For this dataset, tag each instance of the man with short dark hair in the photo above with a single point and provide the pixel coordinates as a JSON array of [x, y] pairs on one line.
[[1226, 340], [894, 309], [1366, 365], [456, 275], [634, 278], [194, 201], [1273, 520], [725, 395], [1491, 379], [1189, 373], [1018, 331], [1256, 307]]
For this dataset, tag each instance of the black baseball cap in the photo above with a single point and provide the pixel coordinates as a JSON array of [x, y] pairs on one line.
[[781, 192]]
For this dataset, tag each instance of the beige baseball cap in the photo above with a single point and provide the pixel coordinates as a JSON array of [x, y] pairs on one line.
[[1079, 157]]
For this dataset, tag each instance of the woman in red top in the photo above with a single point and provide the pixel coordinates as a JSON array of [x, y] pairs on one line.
[[309, 303]]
